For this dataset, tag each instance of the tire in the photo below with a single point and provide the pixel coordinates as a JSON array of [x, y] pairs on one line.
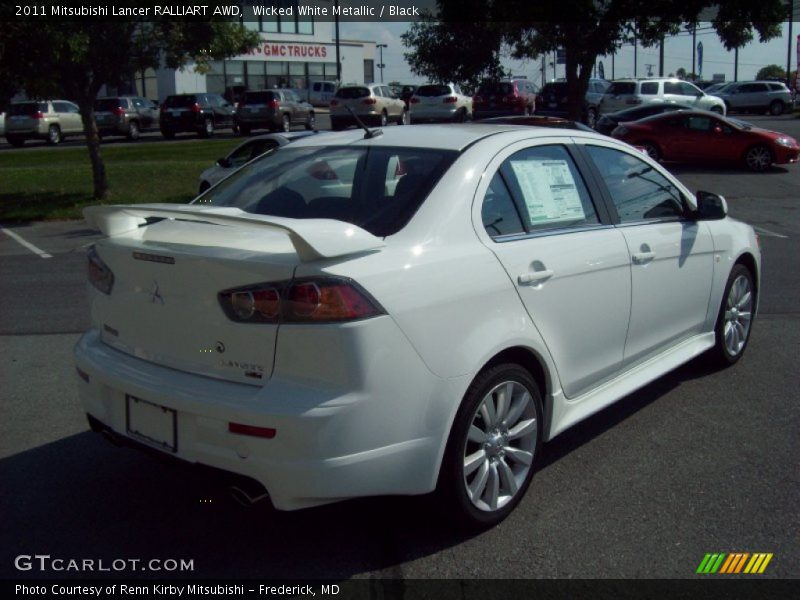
[[244, 129], [716, 109], [336, 124], [383, 119], [133, 131], [735, 319], [481, 457], [591, 117], [168, 134], [461, 115], [776, 108], [311, 121], [404, 118], [653, 151], [54, 135], [758, 158], [286, 123], [15, 141], [208, 128]]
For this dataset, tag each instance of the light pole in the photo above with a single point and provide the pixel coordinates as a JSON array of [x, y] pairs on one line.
[[380, 48]]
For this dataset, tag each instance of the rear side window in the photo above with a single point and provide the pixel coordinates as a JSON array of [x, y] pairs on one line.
[[376, 188], [499, 214], [638, 191], [621, 87], [550, 191], [27, 108], [777, 87], [649, 88], [180, 101], [427, 91], [352, 93]]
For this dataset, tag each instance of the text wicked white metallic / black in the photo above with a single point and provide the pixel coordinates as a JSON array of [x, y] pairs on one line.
[[412, 311]]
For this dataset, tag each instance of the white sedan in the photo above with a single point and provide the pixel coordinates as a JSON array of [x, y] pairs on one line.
[[404, 312]]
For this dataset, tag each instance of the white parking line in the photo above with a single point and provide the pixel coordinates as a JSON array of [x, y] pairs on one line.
[[25, 243], [769, 233]]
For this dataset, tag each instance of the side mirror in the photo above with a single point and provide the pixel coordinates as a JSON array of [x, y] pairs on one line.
[[224, 162], [711, 207]]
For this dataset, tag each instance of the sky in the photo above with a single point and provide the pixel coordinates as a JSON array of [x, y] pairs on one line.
[[677, 53]]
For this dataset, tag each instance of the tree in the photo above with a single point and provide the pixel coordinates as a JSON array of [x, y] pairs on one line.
[[771, 72], [444, 47], [76, 58], [681, 73]]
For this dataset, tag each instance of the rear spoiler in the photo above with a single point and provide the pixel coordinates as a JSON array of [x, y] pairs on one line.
[[312, 239]]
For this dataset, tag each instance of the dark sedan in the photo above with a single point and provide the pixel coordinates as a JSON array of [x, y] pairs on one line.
[[607, 123]]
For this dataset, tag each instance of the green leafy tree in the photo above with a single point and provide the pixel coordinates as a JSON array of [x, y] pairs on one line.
[[74, 59], [771, 72], [681, 73], [444, 47]]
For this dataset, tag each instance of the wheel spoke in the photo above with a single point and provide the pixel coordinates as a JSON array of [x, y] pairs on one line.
[[507, 477], [517, 455], [478, 485], [476, 435], [744, 301], [504, 398], [522, 429], [473, 461], [488, 412], [494, 487], [517, 408]]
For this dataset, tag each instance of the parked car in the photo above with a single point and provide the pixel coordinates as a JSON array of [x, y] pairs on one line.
[[536, 121], [609, 121], [552, 100], [49, 120], [197, 113], [373, 103], [320, 93], [716, 87], [625, 93], [244, 153], [408, 312], [503, 98], [700, 135], [757, 96], [276, 110], [439, 102], [125, 115]]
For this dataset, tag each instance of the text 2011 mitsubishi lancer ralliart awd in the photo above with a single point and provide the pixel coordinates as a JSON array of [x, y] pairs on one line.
[[406, 310]]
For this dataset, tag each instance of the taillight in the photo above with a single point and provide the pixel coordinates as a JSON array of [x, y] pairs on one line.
[[100, 275], [369, 101], [273, 104], [414, 100], [119, 111], [334, 103], [196, 108], [314, 300], [38, 115], [450, 100]]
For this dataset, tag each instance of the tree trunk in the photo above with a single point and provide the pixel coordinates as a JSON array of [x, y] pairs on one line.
[[99, 179]]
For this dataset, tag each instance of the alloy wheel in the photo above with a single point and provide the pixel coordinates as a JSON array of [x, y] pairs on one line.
[[758, 158], [738, 315], [499, 449]]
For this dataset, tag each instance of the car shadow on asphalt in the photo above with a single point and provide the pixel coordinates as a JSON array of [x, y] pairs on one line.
[[81, 497], [710, 168]]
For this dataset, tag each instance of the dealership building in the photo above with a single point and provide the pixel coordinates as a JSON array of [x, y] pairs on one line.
[[293, 53]]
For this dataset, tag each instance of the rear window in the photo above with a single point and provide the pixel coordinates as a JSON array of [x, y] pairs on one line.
[[259, 97], [27, 108], [180, 101], [496, 88], [377, 188], [433, 90], [621, 87], [351, 93], [109, 104]]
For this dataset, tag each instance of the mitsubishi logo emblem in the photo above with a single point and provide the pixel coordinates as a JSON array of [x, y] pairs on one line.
[[155, 294]]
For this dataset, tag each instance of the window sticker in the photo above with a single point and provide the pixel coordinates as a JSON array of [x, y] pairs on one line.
[[549, 189]]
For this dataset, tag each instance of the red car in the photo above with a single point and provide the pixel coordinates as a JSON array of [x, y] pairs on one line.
[[690, 135]]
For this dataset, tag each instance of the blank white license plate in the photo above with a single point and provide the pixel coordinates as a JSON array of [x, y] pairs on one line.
[[151, 423]]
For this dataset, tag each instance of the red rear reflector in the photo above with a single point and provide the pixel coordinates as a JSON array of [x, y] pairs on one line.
[[83, 375], [263, 432]]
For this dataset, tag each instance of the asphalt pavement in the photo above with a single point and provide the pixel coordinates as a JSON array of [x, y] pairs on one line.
[[698, 461]]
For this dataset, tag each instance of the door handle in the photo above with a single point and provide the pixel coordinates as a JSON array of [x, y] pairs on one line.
[[643, 257], [534, 276]]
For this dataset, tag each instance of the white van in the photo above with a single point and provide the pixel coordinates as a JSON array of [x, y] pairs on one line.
[[321, 92]]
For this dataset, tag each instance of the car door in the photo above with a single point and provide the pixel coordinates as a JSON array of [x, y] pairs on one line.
[[671, 254], [569, 265], [299, 110], [145, 111]]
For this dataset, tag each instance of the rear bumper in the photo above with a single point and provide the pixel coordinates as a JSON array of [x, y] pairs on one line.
[[496, 112], [434, 114], [36, 132], [381, 436]]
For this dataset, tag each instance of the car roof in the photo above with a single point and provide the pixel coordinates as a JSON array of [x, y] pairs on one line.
[[450, 136]]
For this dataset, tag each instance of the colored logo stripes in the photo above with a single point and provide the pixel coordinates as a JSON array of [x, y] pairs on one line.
[[735, 562]]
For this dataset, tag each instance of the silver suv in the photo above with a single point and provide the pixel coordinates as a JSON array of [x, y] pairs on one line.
[[626, 93], [125, 115], [49, 120], [373, 103], [758, 96]]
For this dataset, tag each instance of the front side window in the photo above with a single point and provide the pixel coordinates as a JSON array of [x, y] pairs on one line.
[[638, 190], [551, 191]]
